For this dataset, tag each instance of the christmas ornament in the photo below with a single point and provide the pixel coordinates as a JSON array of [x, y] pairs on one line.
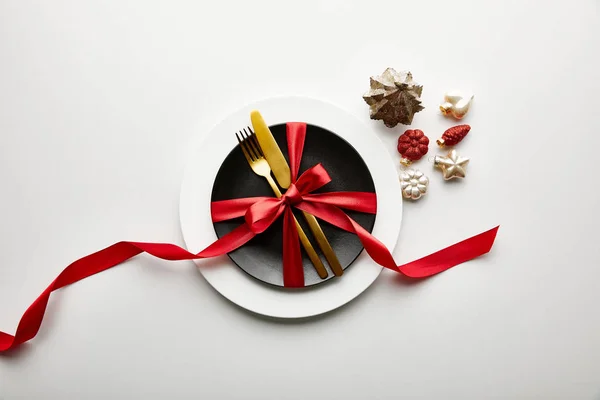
[[412, 145], [394, 98], [414, 184], [452, 166], [454, 135], [456, 104]]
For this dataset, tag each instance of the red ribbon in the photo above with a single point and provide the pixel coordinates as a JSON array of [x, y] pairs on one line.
[[259, 214]]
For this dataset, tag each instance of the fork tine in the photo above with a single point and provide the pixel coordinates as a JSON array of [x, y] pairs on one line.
[[254, 144], [244, 142], [255, 141], [249, 147], [243, 147]]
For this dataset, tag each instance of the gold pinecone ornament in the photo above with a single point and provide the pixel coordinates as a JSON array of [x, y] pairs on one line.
[[394, 98]]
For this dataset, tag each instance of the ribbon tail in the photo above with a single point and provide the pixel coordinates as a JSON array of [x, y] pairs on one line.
[[87, 266], [293, 269], [451, 256], [430, 265], [107, 258]]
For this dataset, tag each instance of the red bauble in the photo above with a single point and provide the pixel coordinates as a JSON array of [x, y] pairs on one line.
[[453, 135], [412, 145]]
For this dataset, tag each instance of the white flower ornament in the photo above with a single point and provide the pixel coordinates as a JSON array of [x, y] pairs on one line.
[[414, 184]]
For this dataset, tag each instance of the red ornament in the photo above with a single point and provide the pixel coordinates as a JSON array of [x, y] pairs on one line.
[[453, 135], [412, 145]]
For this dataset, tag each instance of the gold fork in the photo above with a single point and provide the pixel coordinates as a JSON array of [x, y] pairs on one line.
[[260, 166]]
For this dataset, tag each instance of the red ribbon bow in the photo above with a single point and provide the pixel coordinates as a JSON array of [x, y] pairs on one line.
[[259, 214]]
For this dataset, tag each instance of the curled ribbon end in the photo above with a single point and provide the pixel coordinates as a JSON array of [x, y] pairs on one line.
[[492, 236]]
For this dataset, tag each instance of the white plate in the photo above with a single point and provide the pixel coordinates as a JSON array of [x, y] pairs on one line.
[[204, 161]]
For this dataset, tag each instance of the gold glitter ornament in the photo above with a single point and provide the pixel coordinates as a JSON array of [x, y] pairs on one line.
[[394, 98]]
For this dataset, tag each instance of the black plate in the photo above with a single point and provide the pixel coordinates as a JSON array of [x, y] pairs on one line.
[[261, 257]]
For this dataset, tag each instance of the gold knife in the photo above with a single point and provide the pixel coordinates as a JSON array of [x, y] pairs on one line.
[[282, 173]]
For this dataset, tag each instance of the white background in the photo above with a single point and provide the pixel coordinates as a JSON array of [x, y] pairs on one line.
[[100, 100]]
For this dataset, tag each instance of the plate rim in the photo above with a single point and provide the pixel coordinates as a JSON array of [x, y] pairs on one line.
[[246, 291]]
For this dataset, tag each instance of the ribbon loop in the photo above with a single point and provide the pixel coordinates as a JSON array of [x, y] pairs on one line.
[[312, 179]]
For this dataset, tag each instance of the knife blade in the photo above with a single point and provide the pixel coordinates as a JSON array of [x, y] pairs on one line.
[[272, 152], [282, 173]]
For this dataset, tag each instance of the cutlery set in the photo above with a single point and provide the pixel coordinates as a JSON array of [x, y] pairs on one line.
[[265, 158]]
